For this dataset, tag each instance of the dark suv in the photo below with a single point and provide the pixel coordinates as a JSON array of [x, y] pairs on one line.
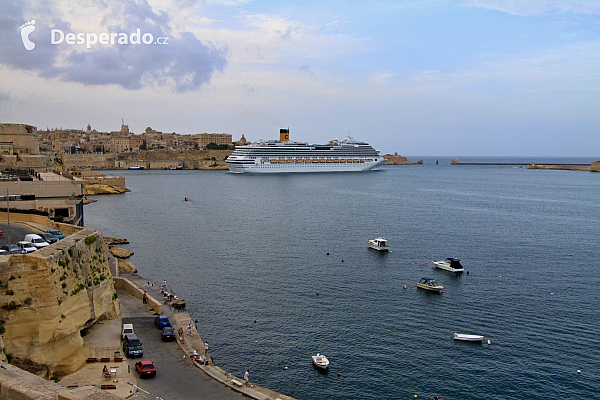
[[132, 347]]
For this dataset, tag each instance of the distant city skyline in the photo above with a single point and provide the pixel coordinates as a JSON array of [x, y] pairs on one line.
[[426, 78]]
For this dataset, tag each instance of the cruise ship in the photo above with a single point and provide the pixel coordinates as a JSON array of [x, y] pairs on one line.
[[277, 156]]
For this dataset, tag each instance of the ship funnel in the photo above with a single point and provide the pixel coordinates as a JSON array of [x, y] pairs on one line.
[[284, 135]]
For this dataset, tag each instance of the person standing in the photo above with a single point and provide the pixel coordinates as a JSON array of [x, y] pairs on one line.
[[206, 347], [247, 377], [145, 298], [190, 329]]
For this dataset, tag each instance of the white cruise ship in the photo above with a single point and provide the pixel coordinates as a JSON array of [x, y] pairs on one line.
[[275, 156]]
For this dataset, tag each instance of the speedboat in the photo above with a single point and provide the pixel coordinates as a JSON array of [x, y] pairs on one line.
[[320, 361], [451, 264], [380, 244], [430, 284], [468, 338]]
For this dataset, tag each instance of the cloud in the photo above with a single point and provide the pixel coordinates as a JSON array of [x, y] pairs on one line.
[[184, 63], [536, 7]]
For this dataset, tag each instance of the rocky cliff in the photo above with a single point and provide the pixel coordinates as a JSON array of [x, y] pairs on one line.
[[49, 296]]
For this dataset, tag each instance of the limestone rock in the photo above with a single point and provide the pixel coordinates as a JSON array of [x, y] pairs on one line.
[[112, 240], [99, 188], [126, 266], [120, 252]]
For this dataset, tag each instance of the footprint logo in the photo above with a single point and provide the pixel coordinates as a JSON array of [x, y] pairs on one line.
[[26, 29]]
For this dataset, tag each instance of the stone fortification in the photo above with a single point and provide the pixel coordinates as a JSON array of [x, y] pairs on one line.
[[23, 138], [159, 159], [397, 159], [49, 296], [16, 384], [595, 167]]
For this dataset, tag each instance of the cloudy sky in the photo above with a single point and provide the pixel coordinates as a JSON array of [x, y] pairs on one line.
[[421, 77]]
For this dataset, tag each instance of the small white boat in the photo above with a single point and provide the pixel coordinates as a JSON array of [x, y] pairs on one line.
[[320, 361], [468, 338], [451, 264], [430, 284], [379, 244]]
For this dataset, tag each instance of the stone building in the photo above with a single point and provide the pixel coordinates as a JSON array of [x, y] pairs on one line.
[[23, 138]]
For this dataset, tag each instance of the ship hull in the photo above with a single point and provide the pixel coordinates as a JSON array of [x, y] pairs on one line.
[[268, 168]]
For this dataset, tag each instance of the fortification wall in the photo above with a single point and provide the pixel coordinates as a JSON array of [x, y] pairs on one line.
[[16, 384], [49, 296]]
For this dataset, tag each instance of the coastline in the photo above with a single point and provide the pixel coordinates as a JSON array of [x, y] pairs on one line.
[[135, 285]]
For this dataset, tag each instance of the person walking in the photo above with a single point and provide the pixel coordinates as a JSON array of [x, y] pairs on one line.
[[247, 377], [190, 329], [145, 298]]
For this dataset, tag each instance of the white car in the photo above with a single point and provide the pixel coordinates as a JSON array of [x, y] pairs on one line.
[[36, 240], [27, 247]]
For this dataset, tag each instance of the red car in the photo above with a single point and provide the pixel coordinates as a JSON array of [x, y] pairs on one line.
[[145, 369]]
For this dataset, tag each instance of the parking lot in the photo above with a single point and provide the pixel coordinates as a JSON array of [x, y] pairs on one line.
[[14, 233], [176, 376]]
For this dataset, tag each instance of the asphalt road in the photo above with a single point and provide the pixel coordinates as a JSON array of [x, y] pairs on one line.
[[176, 376], [16, 233]]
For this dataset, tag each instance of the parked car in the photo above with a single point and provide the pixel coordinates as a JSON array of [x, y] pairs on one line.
[[35, 240], [48, 237], [168, 334], [3, 252], [27, 247], [127, 328], [58, 234], [161, 321], [132, 347], [12, 249], [145, 369]]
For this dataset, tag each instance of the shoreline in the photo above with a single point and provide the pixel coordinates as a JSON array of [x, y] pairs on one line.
[[192, 344]]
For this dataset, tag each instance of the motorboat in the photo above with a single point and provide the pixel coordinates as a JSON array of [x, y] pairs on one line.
[[451, 264], [430, 284], [320, 361], [379, 244], [468, 338]]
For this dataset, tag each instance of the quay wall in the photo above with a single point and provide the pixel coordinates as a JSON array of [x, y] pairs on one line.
[[158, 159], [135, 291]]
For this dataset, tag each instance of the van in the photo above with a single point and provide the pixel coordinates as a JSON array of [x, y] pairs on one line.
[[127, 328], [132, 347], [36, 240]]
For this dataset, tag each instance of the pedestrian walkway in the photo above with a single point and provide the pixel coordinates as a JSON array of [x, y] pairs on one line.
[[193, 344]]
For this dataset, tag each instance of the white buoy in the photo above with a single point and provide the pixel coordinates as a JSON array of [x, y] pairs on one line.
[[489, 342], [578, 371]]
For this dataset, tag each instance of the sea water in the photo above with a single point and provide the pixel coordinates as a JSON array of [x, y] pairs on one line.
[[276, 268]]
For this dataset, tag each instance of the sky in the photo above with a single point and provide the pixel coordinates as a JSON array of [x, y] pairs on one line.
[[420, 78]]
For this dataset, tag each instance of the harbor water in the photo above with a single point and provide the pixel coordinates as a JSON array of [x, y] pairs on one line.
[[276, 268]]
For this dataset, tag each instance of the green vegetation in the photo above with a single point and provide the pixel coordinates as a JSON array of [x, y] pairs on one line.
[[89, 240], [11, 306], [27, 301], [10, 293]]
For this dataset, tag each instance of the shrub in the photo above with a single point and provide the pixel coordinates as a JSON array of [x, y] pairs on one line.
[[27, 301], [11, 306], [9, 292], [90, 239]]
